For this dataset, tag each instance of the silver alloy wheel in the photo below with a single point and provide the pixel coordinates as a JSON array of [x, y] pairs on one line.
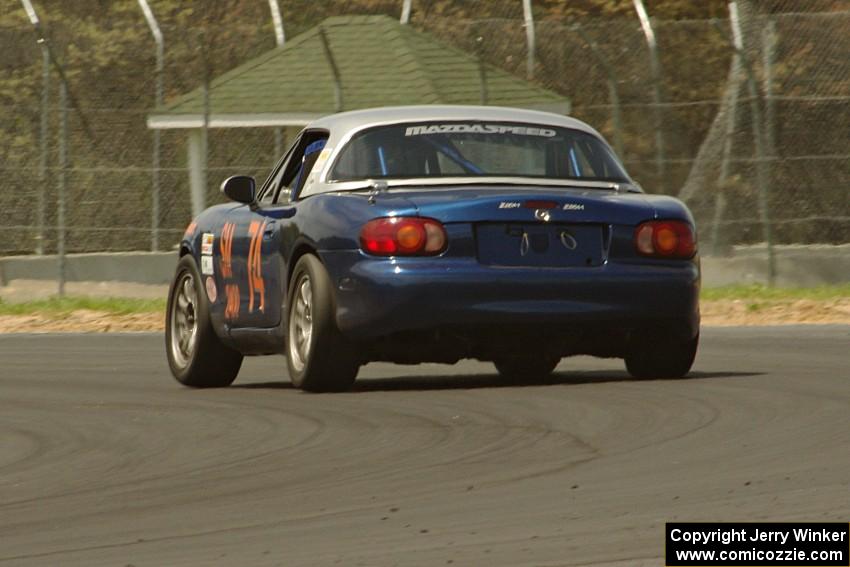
[[301, 323], [184, 320]]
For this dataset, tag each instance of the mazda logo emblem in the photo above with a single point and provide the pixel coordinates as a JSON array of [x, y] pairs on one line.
[[542, 215]]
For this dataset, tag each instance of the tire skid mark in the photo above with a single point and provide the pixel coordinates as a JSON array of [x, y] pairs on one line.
[[195, 468]]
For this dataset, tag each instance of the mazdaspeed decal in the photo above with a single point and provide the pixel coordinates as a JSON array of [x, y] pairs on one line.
[[207, 240], [478, 129]]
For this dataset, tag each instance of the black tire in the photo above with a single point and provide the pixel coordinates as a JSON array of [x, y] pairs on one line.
[[206, 362], [318, 356], [661, 358], [526, 367]]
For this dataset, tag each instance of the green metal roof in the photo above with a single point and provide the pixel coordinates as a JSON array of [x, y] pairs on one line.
[[380, 63]]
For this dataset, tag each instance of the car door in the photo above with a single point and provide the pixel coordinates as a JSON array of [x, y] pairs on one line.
[[257, 238]]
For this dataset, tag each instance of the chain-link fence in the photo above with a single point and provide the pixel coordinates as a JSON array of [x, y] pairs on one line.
[[745, 116]]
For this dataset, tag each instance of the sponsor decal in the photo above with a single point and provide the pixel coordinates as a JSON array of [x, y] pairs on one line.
[[319, 164], [231, 306], [207, 265], [190, 230], [509, 205], [573, 207], [256, 285], [426, 129], [207, 240], [226, 246], [323, 157], [212, 292]]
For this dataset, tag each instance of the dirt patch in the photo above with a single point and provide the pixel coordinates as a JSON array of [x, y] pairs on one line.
[[723, 312], [81, 321], [728, 312]]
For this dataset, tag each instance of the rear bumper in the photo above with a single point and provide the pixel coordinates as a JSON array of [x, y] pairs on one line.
[[381, 297]]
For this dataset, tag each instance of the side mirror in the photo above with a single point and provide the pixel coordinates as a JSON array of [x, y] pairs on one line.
[[240, 188]]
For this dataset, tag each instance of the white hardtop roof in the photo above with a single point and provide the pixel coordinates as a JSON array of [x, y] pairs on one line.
[[344, 125], [338, 124]]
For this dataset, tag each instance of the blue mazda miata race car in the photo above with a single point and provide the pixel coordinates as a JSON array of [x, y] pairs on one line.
[[432, 234]]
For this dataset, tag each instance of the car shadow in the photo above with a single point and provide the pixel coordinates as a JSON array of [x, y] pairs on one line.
[[479, 381]]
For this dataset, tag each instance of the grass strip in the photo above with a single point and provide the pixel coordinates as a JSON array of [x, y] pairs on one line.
[[758, 292], [63, 306]]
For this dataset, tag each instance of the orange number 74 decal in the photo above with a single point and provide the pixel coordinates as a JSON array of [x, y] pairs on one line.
[[231, 308], [227, 249], [255, 266]]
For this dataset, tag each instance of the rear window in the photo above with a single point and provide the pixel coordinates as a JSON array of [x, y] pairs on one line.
[[469, 149]]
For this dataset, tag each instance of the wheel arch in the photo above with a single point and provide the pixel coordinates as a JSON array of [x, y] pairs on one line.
[[298, 251]]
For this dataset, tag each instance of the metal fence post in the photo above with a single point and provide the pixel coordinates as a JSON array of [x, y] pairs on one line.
[[758, 139], [280, 40], [44, 132], [205, 130], [197, 162], [769, 58], [196, 140], [205, 143], [731, 122], [155, 161], [655, 71], [277, 22], [528, 18], [63, 143], [405, 11], [329, 57], [41, 201], [62, 185], [482, 70], [278, 143]]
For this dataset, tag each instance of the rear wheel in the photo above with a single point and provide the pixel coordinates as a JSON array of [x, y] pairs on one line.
[[196, 356], [319, 358], [526, 367], [661, 358]]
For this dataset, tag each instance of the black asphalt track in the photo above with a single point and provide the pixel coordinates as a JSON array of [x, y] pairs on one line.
[[105, 460]]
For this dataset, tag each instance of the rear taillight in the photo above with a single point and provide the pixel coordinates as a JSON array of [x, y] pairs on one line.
[[403, 236], [665, 239]]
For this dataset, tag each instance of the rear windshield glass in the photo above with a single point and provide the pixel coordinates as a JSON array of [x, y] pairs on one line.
[[469, 149]]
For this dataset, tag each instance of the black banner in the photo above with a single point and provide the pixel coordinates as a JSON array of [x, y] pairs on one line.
[[758, 544]]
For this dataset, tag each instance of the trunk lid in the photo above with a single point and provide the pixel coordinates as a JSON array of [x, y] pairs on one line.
[[512, 204], [535, 227]]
